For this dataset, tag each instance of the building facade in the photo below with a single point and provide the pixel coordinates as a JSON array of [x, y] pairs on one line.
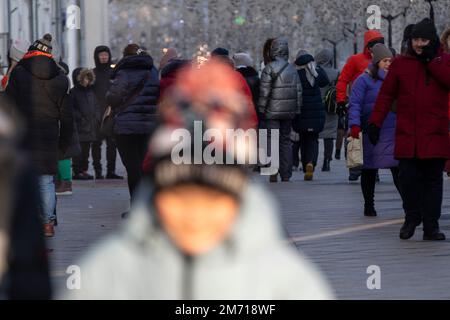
[[77, 26]]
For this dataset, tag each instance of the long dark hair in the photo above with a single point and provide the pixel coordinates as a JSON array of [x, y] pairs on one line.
[[266, 51], [373, 72]]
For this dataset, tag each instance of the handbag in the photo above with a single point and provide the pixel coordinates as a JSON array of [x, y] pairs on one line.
[[109, 117], [355, 153]]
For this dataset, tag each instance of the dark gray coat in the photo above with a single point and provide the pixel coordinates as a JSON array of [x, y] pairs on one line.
[[324, 59], [280, 98]]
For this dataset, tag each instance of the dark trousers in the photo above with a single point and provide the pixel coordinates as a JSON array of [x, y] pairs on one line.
[[132, 151], [296, 153], [81, 163], [111, 155], [421, 182], [368, 181], [285, 145], [328, 150], [309, 148]]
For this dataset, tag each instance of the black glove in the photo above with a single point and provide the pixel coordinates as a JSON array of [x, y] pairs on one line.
[[374, 134], [342, 109], [429, 53]]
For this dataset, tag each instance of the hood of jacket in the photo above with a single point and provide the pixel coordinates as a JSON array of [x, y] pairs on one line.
[[41, 67], [97, 51], [370, 36], [324, 58], [80, 74], [280, 49], [248, 72], [137, 62]]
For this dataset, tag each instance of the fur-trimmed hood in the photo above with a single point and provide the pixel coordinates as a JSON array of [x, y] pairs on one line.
[[444, 40], [80, 74]]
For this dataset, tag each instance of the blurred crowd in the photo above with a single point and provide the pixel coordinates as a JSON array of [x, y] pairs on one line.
[[208, 231]]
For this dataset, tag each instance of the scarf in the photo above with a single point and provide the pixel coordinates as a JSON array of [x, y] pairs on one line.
[[311, 72]]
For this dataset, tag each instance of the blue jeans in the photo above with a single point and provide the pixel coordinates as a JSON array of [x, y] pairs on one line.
[[48, 198]]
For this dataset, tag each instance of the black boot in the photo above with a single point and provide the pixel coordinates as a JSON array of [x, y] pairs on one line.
[[337, 156], [113, 176], [408, 230], [369, 211], [326, 165], [434, 236]]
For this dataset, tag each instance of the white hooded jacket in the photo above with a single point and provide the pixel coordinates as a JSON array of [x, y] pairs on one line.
[[254, 263]]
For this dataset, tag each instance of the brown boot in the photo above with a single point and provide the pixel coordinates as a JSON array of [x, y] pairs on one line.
[[64, 188], [309, 175], [49, 230]]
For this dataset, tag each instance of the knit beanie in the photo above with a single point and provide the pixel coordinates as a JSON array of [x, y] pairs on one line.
[[380, 52], [243, 59], [44, 45], [212, 98], [424, 29]]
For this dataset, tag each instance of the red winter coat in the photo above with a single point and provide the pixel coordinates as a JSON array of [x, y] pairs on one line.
[[355, 66], [422, 106]]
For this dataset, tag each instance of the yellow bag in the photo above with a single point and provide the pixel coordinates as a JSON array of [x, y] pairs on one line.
[[355, 155]]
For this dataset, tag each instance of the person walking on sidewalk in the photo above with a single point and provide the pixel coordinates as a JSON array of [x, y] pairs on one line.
[[87, 117], [324, 59], [362, 100], [279, 102], [310, 123], [134, 95], [39, 88], [103, 72], [355, 66], [419, 82]]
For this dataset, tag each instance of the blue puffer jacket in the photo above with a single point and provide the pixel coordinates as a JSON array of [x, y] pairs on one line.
[[362, 100], [134, 94]]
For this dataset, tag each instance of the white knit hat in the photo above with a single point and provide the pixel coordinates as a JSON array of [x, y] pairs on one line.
[[18, 49]]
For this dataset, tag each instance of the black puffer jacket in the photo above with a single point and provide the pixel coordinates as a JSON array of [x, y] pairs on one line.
[[312, 116], [103, 74], [280, 98], [84, 105], [253, 81], [134, 95], [39, 88]]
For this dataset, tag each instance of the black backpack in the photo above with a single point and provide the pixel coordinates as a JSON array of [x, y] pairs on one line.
[[330, 99]]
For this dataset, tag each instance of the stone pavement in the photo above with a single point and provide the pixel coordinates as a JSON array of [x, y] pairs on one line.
[[324, 221]]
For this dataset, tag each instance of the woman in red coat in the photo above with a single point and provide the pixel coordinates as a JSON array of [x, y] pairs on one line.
[[419, 82]]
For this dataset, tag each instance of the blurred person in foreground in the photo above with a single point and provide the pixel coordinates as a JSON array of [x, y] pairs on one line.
[[23, 262], [200, 231]]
